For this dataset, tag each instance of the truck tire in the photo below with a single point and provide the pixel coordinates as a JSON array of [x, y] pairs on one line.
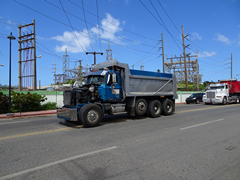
[[141, 107], [237, 100], [91, 115], [197, 101], [224, 102], [167, 107], [154, 108]]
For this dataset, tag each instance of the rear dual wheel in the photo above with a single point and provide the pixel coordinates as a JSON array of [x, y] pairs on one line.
[[168, 107], [154, 108]]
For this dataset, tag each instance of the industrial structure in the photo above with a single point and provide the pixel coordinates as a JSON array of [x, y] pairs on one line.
[[175, 65], [27, 77]]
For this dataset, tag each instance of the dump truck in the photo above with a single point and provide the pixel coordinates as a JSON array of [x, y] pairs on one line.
[[224, 92], [111, 87]]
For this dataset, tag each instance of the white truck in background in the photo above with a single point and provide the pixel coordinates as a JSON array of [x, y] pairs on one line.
[[224, 92]]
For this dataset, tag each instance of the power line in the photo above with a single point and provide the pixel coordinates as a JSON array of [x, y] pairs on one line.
[[86, 25], [78, 29], [98, 26], [114, 24], [162, 25], [169, 17]]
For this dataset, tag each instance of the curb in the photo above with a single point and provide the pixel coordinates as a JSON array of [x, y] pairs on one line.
[[25, 115], [38, 113]]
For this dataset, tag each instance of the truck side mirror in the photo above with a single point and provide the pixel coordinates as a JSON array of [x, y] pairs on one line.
[[109, 80], [114, 78]]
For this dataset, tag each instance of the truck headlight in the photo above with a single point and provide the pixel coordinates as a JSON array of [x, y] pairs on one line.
[[91, 88], [219, 96]]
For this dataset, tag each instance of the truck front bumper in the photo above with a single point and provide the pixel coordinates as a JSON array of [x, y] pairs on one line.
[[212, 100], [67, 114]]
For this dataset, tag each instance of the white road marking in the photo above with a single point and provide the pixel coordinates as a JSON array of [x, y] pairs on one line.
[[54, 163], [14, 122], [201, 124]]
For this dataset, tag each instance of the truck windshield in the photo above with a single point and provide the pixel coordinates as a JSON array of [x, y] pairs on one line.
[[95, 80], [217, 87]]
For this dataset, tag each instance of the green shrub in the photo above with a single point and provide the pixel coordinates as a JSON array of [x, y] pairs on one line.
[[48, 106]]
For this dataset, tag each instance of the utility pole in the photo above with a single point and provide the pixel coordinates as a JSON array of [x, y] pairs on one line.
[[184, 54], [94, 53], [34, 59], [163, 53]]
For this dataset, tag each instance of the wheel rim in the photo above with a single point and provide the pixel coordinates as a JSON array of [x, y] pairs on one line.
[[92, 116], [169, 108], [141, 106], [156, 109]]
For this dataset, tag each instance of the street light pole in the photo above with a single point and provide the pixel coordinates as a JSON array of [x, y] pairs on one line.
[[11, 37]]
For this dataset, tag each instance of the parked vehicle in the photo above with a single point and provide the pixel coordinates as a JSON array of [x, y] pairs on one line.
[[195, 98], [226, 91], [112, 87]]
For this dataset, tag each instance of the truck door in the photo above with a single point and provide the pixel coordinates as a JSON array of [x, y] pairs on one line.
[[226, 90], [114, 88]]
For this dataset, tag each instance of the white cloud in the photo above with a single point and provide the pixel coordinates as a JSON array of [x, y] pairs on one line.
[[75, 42], [224, 39], [109, 27], [196, 35], [207, 54]]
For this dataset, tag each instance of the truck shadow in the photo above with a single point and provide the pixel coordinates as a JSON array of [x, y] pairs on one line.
[[109, 119]]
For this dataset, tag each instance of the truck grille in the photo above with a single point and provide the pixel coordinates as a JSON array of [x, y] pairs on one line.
[[67, 98], [210, 94]]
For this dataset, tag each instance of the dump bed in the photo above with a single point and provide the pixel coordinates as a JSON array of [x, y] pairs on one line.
[[233, 84], [144, 83]]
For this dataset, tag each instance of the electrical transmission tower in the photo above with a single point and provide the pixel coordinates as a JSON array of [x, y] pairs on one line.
[[108, 53], [27, 71], [55, 72], [65, 66]]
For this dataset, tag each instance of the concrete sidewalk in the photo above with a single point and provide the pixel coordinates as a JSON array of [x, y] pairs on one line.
[[31, 113]]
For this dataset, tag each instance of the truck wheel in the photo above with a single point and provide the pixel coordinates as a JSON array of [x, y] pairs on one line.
[[167, 107], [237, 100], [224, 102], [154, 108], [91, 115], [197, 101], [141, 107]]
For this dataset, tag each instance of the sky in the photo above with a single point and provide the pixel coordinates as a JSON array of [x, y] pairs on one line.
[[132, 27]]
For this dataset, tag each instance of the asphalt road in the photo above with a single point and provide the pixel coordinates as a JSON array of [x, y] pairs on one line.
[[197, 142]]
